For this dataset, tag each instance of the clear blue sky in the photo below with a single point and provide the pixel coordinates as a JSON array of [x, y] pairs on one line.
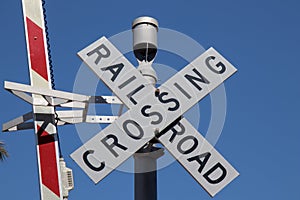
[[261, 136]]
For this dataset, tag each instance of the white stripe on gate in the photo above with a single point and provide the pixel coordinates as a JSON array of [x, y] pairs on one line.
[[32, 9]]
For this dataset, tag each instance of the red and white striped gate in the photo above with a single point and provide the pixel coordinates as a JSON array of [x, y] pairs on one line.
[[44, 116]]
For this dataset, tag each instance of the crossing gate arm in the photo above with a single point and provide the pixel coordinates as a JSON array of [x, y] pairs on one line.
[[60, 97], [19, 123], [64, 118]]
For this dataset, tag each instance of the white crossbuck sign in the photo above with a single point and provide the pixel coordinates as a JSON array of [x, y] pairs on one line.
[[155, 113]]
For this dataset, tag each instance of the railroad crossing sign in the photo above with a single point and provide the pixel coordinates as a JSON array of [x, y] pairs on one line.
[[155, 113]]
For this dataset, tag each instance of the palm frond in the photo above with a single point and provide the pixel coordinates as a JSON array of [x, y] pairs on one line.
[[3, 152]]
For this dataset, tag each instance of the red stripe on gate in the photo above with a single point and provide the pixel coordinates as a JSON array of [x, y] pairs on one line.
[[48, 164], [37, 49]]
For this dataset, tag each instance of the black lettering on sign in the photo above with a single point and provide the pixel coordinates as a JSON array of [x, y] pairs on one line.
[[115, 70], [87, 162], [221, 68], [159, 119], [169, 127], [102, 51], [176, 132], [175, 101], [136, 125], [133, 93], [213, 169], [193, 79], [127, 82], [183, 140], [198, 158], [113, 144], [187, 95]]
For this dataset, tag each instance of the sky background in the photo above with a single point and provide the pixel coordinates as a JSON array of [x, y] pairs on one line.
[[261, 135]]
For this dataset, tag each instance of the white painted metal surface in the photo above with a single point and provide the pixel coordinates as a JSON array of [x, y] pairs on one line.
[[152, 112], [49, 97], [115, 144], [198, 79], [100, 119], [102, 54], [208, 167]]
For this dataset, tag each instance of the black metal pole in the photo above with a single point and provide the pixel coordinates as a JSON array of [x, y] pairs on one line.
[[145, 177]]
